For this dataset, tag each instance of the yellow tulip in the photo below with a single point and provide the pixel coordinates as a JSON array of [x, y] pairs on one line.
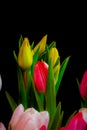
[[54, 55], [41, 45], [25, 56]]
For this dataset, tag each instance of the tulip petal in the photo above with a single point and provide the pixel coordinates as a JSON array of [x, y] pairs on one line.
[[83, 86], [84, 113], [41, 44], [16, 115], [40, 76], [2, 127], [32, 120]]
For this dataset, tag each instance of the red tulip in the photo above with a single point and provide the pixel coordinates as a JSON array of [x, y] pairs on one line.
[[83, 86], [40, 76], [78, 121]]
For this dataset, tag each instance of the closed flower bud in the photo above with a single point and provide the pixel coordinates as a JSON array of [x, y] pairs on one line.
[[41, 45], [40, 76], [83, 86], [54, 55], [25, 56], [30, 119]]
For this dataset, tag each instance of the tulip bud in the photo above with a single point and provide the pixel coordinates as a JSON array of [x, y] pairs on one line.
[[41, 44], [54, 55], [25, 56], [40, 76], [83, 86]]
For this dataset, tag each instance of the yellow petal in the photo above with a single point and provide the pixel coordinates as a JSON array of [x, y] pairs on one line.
[[54, 55], [41, 44], [25, 57]]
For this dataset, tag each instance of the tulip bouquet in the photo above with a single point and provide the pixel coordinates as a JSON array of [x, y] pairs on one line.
[[40, 72]]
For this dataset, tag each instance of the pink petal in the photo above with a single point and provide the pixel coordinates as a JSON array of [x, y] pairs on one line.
[[83, 85], [32, 120], [2, 127], [84, 113], [45, 118], [16, 115], [76, 123]]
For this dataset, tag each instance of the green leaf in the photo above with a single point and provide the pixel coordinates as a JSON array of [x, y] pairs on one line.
[[11, 101], [44, 55], [50, 91], [15, 56], [53, 44], [57, 119], [57, 62], [38, 98], [20, 41], [32, 45], [22, 92], [78, 83], [28, 81], [35, 59], [61, 72]]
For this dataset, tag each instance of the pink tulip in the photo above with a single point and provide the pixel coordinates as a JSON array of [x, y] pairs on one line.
[[78, 121], [2, 127], [40, 76], [30, 119], [83, 86]]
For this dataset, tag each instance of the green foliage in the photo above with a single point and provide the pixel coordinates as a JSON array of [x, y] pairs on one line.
[[61, 72], [11, 101]]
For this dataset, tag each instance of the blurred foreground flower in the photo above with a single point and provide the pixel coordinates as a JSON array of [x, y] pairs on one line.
[[30, 119], [78, 121], [2, 127]]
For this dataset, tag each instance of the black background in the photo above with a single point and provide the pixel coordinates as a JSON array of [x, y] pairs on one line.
[[67, 27]]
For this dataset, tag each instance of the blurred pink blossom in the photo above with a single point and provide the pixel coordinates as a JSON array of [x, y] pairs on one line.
[[78, 121], [2, 127], [30, 119]]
